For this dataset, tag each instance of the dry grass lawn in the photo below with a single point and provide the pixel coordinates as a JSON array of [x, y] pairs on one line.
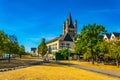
[[100, 66], [52, 72]]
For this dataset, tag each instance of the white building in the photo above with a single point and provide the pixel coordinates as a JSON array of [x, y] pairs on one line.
[[111, 36], [34, 51]]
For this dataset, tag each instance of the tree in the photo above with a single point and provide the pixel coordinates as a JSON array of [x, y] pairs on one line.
[[12, 46], [65, 53], [115, 50], [21, 50], [104, 49], [80, 44], [42, 48], [90, 36], [3, 41], [8, 44]]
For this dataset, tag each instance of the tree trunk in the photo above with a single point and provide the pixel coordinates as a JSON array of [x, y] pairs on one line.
[[64, 57], [9, 58], [78, 57], [38, 55], [117, 63], [20, 56], [92, 60], [92, 56]]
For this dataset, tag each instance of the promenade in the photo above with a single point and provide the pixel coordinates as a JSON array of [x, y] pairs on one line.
[[102, 71]]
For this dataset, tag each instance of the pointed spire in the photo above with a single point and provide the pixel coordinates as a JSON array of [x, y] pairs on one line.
[[70, 18], [70, 21], [70, 14]]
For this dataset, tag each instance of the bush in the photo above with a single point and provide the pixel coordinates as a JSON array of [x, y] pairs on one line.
[[58, 56]]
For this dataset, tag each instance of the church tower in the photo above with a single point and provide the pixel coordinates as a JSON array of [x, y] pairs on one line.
[[69, 27]]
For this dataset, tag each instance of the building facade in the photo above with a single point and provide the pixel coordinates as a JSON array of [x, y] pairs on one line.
[[34, 51], [66, 39], [69, 27], [111, 36]]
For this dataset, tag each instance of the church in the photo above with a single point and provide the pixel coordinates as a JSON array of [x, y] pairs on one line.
[[66, 39]]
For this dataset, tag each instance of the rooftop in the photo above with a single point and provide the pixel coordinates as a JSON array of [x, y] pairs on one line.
[[65, 37]]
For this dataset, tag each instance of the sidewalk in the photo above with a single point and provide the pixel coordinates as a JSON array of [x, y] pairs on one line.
[[102, 71]]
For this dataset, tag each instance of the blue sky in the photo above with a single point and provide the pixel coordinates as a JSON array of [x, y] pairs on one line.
[[31, 20]]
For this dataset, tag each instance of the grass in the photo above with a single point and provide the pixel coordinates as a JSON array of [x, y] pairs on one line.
[[52, 72], [100, 66]]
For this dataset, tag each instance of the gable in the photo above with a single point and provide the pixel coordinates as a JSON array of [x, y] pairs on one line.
[[65, 37]]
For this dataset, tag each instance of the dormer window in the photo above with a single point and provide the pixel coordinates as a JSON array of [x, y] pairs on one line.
[[106, 39], [113, 37]]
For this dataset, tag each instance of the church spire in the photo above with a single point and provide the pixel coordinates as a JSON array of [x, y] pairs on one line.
[[70, 21], [69, 27], [70, 18]]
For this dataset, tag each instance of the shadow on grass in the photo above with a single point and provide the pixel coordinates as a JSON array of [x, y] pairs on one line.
[[17, 63]]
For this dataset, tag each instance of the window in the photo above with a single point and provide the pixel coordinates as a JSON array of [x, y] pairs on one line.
[[53, 46], [49, 47], [62, 45], [105, 38], [113, 37], [56, 46], [68, 45]]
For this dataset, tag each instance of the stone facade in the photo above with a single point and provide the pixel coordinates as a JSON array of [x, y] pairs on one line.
[[69, 27]]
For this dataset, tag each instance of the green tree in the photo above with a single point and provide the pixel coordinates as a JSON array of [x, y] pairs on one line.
[[3, 41], [80, 45], [91, 39], [42, 48], [21, 51], [12, 46], [65, 53], [104, 49], [115, 50], [86, 55]]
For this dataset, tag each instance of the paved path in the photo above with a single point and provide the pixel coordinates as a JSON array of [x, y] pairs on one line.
[[102, 71]]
